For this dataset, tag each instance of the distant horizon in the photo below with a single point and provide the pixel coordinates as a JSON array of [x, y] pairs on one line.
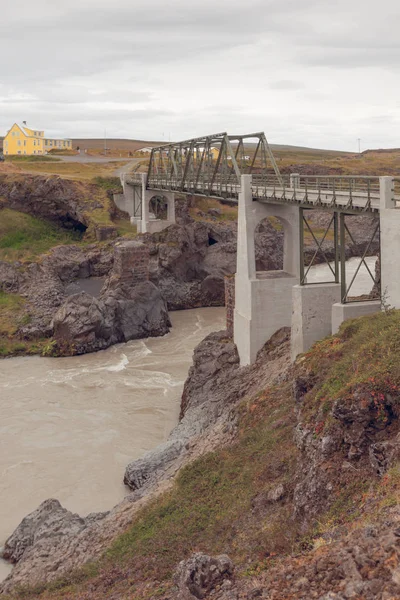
[[272, 144]]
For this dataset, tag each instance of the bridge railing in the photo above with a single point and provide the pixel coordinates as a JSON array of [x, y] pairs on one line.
[[396, 189], [360, 192], [134, 178]]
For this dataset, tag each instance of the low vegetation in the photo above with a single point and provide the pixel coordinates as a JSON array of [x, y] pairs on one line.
[[23, 237], [13, 315], [208, 209], [79, 171], [31, 159], [363, 355]]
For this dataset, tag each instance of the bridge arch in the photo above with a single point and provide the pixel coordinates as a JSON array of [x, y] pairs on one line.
[[158, 210], [288, 217]]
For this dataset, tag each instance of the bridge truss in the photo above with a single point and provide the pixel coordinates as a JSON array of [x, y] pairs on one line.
[[211, 165]]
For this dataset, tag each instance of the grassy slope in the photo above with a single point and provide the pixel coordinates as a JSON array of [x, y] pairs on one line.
[[24, 238], [213, 505]]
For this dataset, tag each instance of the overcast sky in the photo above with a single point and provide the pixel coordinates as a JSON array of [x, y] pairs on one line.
[[319, 73]]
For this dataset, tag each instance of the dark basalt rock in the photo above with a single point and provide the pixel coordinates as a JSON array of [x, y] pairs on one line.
[[196, 577]]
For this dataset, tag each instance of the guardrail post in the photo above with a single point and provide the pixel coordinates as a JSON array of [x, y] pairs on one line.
[[295, 180], [386, 192]]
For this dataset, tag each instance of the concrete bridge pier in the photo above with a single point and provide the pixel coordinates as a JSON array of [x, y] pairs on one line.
[[130, 200], [312, 314], [148, 223], [136, 202], [263, 300], [390, 244]]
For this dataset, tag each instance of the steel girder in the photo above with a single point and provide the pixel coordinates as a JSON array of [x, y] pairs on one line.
[[210, 165]]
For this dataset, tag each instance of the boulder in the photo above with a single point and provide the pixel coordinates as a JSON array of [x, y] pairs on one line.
[[10, 279], [86, 324], [44, 527], [152, 464], [196, 577]]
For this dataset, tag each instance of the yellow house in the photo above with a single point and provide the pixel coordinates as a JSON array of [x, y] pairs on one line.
[[21, 139]]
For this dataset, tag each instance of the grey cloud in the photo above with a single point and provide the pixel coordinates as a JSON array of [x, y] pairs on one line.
[[286, 84], [144, 67]]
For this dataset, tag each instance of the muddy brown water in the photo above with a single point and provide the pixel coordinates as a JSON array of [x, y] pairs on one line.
[[69, 426]]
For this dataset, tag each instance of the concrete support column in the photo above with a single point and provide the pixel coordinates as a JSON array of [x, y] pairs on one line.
[[312, 314], [246, 259], [295, 180], [171, 208], [390, 244], [263, 300], [146, 197]]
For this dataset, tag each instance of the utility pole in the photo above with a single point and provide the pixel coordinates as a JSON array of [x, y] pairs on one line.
[[105, 142], [359, 145]]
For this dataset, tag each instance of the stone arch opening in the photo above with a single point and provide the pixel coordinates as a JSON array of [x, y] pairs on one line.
[[279, 225], [158, 207]]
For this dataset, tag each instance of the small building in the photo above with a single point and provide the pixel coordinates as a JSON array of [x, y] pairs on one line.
[[21, 139], [145, 150]]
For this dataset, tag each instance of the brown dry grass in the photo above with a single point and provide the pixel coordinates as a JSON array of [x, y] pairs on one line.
[[73, 170]]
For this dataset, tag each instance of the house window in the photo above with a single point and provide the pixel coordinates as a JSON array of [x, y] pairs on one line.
[[19, 151], [19, 142], [24, 142]]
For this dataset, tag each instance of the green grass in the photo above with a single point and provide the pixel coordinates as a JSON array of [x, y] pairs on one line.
[[13, 315], [110, 184], [363, 355], [24, 238], [125, 229]]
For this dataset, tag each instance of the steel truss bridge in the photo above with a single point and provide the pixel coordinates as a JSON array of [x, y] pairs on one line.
[[213, 165]]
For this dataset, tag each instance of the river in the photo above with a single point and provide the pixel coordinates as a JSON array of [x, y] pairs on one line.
[[69, 426]]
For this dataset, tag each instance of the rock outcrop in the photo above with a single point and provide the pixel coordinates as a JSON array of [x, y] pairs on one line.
[[363, 437], [201, 574], [129, 307], [45, 527], [65, 202], [214, 386], [189, 260]]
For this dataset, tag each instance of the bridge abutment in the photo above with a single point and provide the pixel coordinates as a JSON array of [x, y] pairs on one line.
[[136, 202]]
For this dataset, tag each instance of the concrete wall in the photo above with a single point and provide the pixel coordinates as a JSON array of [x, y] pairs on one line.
[[343, 312], [390, 244], [312, 314]]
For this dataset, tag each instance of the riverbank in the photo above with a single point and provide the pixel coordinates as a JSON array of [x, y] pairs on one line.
[[71, 425]]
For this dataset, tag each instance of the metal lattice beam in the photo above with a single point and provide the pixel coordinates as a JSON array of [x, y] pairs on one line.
[[210, 165]]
